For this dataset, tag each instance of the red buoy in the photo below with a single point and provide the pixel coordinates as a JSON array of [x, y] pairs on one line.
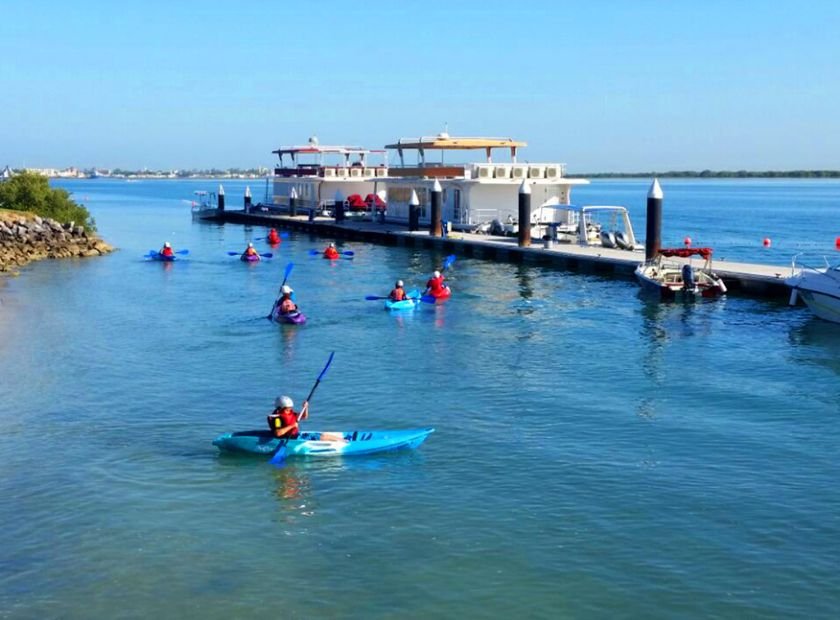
[[837, 243], [766, 242], [687, 242]]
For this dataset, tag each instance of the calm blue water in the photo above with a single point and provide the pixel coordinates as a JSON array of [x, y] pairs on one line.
[[596, 455]]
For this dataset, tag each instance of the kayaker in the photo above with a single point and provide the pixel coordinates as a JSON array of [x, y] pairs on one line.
[[283, 421], [398, 294], [250, 250], [331, 252], [166, 250], [435, 284], [273, 237], [285, 303]]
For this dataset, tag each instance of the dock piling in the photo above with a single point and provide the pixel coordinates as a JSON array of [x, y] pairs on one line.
[[435, 227], [221, 196], [413, 212], [293, 202], [524, 215], [339, 206], [653, 238], [247, 203]]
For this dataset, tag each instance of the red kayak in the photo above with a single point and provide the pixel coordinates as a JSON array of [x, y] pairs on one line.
[[441, 294]]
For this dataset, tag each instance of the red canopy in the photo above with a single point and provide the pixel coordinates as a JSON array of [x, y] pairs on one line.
[[373, 199], [705, 253], [354, 201]]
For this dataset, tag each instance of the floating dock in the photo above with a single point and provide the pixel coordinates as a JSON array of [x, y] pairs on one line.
[[747, 279]]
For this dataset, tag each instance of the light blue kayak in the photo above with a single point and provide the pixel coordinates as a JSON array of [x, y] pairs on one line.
[[321, 443], [406, 304]]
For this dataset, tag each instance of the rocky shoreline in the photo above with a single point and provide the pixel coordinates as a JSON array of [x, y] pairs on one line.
[[25, 237]]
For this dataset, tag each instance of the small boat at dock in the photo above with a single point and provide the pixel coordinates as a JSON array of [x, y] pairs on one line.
[[205, 207], [819, 288], [671, 279]]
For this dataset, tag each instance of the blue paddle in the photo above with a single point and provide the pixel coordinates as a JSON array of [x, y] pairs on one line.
[[155, 253], [280, 453], [285, 277], [264, 254], [430, 299], [345, 252]]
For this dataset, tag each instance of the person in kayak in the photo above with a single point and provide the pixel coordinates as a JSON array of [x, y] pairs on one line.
[[273, 237], [283, 421], [250, 250], [166, 250], [435, 286], [331, 252], [398, 294], [285, 305]]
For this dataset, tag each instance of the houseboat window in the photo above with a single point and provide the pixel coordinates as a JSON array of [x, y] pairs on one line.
[[456, 205]]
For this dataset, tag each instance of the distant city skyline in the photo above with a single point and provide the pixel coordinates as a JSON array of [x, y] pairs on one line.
[[601, 86]]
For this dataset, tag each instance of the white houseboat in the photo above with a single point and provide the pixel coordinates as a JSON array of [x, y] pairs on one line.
[[315, 175], [475, 194]]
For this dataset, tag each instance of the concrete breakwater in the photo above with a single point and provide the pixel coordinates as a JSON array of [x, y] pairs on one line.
[[25, 237]]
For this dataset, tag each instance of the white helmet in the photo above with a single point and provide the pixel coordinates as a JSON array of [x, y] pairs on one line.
[[167, 245], [436, 274], [283, 402], [332, 245], [399, 283], [286, 289], [250, 245]]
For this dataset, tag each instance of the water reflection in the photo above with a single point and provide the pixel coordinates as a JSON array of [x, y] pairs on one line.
[[817, 342], [293, 484]]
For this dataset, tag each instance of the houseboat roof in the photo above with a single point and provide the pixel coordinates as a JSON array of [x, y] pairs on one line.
[[445, 142], [316, 149]]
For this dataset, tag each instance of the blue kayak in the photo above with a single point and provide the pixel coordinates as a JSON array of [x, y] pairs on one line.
[[320, 443], [406, 304], [161, 257]]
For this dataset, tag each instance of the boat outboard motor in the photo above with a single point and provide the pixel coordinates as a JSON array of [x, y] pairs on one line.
[[689, 283], [607, 239]]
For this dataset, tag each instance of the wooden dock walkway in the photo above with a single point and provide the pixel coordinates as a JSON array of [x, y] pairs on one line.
[[748, 279]]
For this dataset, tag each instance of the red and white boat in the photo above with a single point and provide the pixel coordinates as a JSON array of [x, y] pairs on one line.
[[672, 278]]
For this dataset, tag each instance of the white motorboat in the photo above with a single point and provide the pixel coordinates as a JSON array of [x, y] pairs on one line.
[[819, 288], [672, 279], [205, 206]]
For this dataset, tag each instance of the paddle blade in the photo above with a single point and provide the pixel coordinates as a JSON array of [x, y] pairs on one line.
[[280, 456], [267, 255], [373, 297], [329, 361], [286, 273], [349, 253], [234, 253], [182, 252], [448, 262], [314, 252], [429, 299], [284, 235]]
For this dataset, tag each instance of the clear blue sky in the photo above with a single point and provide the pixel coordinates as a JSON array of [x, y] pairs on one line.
[[600, 85]]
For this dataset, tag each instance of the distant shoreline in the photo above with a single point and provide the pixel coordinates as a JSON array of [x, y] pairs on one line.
[[712, 174], [670, 174]]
